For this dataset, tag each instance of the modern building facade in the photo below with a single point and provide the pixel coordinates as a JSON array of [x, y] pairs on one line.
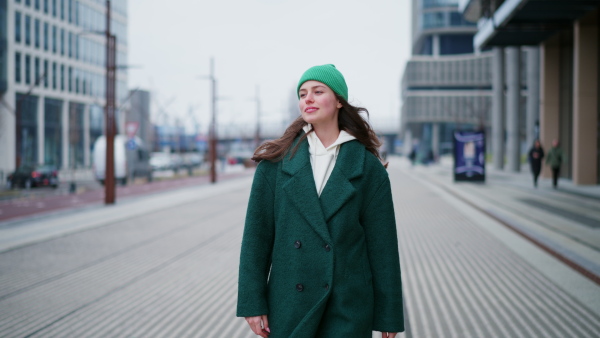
[[52, 79], [563, 38], [446, 85]]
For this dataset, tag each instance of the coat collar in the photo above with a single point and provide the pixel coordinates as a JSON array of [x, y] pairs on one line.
[[300, 188]]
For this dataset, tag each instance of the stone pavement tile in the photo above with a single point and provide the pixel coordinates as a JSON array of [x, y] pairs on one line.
[[172, 272], [461, 281]]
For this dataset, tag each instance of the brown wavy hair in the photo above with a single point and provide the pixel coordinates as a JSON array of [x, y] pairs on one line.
[[349, 119]]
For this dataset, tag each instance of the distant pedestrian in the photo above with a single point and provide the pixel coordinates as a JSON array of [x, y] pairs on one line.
[[555, 159], [412, 156], [536, 154], [319, 253]]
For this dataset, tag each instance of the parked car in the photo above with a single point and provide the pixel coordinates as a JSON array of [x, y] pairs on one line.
[[31, 175], [131, 159], [161, 161]]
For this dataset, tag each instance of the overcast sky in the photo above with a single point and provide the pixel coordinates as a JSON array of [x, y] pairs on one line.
[[269, 43]]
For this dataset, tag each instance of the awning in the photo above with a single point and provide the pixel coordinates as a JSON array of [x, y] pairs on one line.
[[530, 22]]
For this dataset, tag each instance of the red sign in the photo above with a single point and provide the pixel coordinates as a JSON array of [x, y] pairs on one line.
[[131, 128]]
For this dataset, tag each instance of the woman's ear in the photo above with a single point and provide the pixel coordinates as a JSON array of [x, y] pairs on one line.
[[339, 104]]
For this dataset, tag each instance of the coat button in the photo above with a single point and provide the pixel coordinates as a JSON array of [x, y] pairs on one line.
[[299, 287], [326, 286], [327, 247], [297, 244]]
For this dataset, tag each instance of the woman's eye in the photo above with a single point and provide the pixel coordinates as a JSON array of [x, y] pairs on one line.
[[302, 95], [319, 92]]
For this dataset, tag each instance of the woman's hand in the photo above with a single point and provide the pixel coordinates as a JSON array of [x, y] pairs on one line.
[[388, 334], [259, 325]]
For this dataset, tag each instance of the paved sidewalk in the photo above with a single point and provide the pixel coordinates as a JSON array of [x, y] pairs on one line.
[[167, 267]]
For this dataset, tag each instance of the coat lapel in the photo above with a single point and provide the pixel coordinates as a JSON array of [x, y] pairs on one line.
[[339, 189], [301, 190]]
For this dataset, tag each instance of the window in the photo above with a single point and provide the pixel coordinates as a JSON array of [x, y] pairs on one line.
[[77, 76], [62, 9], [54, 75], [62, 77], [70, 44], [17, 27], [27, 2], [62, 41], [27, 69], [18, 67], [54, 45], [37, 4], [46, 42], [36, 70], [69, 79], [54, 10], [27, 30], [76, 38], [46, 6], [70, 11], [46, 74], [36, 32]]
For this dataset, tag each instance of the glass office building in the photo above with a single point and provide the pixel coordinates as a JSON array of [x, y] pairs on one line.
[[446, 84], [52, 79]]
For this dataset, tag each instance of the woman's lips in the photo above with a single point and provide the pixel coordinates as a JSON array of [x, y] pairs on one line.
[[310, 109]]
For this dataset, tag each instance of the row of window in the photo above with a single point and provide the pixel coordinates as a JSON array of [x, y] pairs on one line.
[[476, 71], [444, 19], [92, 21], [448, 107], [58, 40], [439, 3], [63, 6], [42, 72]]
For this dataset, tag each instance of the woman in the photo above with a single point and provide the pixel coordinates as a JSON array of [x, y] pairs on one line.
[[319, 253], [536, 154]]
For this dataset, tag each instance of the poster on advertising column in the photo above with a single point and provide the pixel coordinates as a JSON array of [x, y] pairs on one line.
[[469, 155]]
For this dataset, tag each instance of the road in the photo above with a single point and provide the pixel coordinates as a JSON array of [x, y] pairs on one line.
[[166, 266], [45, 200]]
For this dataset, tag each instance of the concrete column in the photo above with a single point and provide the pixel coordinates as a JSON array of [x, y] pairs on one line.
[[86, 136], [549, 95], [7, 134], [498, 112], [435, 45], [65, 134], [533, 96], [585, 101], [407, 142], [513, 95], [41, 128], [435, 139]]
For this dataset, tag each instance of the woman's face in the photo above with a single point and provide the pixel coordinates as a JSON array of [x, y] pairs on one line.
[[318, 104]]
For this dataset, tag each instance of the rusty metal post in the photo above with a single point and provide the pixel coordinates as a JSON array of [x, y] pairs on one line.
[[213, 125], [109, 177]]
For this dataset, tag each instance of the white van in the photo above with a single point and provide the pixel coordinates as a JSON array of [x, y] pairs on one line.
[[129, 162]]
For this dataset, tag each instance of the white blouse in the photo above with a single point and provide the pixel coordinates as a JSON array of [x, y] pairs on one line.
[[323, 159]]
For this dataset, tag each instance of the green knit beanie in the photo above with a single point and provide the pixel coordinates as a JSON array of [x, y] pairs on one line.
[[328, 75]]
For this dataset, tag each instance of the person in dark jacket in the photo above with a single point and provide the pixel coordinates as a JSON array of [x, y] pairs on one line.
[[555, 159], [319, 254], [536, 154]]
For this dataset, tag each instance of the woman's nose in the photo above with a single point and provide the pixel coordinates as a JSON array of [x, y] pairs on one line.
[[308, 98]]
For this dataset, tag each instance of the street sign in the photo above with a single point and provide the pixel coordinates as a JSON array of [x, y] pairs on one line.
[[131, 145], [469, 155], [131, 129]]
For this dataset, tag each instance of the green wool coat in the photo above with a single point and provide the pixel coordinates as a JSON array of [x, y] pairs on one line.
[[322, 267]]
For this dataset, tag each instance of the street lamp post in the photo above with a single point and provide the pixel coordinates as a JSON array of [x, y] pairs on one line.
[[109, 177], [212, 132], [257, 135]]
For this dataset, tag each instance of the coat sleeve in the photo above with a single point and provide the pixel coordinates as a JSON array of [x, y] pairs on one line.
[[257, 244], [382, 248]]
